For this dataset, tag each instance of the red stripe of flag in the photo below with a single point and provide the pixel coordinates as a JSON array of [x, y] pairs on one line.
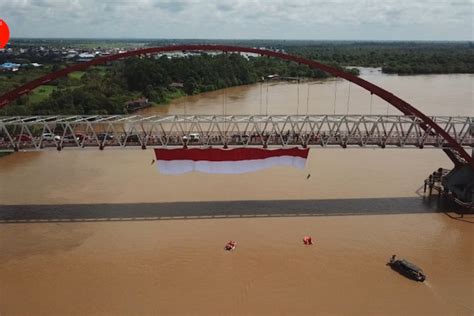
[[235, 154]]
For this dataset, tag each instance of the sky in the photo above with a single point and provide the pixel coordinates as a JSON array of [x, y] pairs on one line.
[[242, 19]]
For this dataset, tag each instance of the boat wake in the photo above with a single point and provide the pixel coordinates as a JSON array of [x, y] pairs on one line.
[[443, 298]]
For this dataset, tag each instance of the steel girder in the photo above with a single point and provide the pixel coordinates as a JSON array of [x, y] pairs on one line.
[[34, 133]]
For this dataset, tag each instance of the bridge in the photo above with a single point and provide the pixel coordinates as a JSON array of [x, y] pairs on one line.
[[414, 128], [38, 133]]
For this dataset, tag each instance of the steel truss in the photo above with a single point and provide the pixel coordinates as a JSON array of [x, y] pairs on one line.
[[35, 133]]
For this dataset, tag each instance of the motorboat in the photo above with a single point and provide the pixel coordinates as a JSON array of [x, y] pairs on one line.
[[407, 269]]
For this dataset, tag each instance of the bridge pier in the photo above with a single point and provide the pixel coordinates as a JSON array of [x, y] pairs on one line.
[[456, 184], [460, 182]]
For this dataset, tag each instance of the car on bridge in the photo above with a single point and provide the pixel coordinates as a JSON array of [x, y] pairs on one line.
[[130, 138], [70, 139], [23, 138], [192, 137], [104, 136], [81, 136], [50, 137]]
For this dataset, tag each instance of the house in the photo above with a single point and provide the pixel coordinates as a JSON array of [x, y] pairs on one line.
[[272, 77], [86, 57], [70, 56], [176, 85], [137, 104], [9, 67]]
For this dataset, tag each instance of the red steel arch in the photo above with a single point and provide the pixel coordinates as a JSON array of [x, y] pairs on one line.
[[453, 149]]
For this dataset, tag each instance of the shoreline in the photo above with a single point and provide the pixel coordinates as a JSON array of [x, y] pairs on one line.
[[177, 97]]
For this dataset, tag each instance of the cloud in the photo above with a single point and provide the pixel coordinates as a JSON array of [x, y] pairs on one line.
[[224, 7], [462, 3], [171, 6], [289, 19]]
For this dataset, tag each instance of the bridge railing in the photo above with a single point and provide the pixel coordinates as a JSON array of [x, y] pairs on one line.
[[119, 131]]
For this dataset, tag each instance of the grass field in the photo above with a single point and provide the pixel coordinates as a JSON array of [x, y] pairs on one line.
[[173, 95], [41, 93], [101, 70], [76, 75], [9, 81]]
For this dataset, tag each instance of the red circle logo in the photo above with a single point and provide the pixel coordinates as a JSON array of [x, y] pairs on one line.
[[4, 33]]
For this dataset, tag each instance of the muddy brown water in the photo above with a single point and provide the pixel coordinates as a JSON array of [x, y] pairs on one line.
[[146, 257]]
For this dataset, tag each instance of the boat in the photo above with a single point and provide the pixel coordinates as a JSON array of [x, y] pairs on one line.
[[230, 245], [407, 269]]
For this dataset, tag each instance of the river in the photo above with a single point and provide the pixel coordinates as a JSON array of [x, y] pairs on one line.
[[110, 235]]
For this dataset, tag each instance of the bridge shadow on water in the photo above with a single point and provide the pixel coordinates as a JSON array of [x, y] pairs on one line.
[[209, 210]]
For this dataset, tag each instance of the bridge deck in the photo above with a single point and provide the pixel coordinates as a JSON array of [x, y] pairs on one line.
[[36, 133]]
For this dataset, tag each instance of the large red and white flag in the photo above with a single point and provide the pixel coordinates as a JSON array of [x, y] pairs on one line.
[[227, 161]]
